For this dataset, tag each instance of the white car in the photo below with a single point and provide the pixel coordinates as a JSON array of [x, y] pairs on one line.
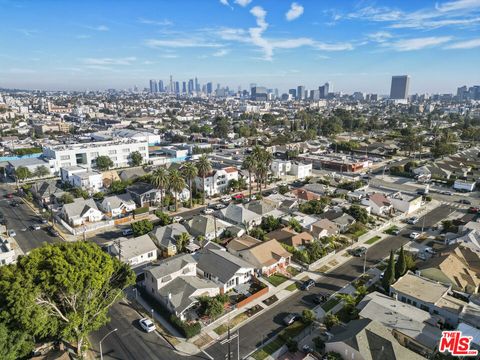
[[219, 206], [35, 227], [429, 250], [12, 233], [207, 211], [127, 232], [147, 325], [414, 235], [177, 218]]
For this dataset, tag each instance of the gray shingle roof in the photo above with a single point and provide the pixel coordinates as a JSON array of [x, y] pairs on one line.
[[220, 263], [171, 265], [166, 235]]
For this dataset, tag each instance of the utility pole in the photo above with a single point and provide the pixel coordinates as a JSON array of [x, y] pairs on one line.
[[119, 246], [228, 341]]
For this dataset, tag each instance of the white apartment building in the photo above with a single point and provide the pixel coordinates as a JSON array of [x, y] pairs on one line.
[[217, 181], [296, 169], [84, 154], [300, 170], [91, 181], [280, 168]]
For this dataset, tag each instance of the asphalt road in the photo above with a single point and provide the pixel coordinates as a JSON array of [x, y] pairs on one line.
[[19, 219], [130, 342], [270, 322]]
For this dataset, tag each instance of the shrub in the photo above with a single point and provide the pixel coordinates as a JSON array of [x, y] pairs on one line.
[[164, 219], [141, 210], [186, 329], [142, 227]]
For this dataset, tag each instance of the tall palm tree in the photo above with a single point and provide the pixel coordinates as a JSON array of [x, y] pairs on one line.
[[160, 180], [190, 171], [267, 159], [204, 167], [177, 184], [249, 165]]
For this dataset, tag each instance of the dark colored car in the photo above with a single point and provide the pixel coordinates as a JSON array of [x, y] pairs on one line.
[[465, 201], [473, 210], [320, 299], [359, 252], [52, 231]]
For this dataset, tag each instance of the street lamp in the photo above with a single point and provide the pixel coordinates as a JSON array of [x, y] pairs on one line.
[[100, 343], [152, 314], [365, 261]]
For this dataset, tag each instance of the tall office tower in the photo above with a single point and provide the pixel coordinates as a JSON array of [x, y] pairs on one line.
[[171, 84], [190, 86], [184, 87], [328, 88], [461, 92], [161, 88], [153, 86], [259, 93], [209, 88], [197, 85], [300, 92], [399, 88], [252, 85], [177, 87], [293, 92]]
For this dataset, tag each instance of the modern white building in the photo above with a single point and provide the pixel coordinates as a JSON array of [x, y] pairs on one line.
[[300, 170], [217, 181], [92, 181], [463, 185], [85, 154], [296, 169], [280, 168]]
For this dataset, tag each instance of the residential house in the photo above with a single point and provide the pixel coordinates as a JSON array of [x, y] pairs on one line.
[[324, 228], [90, 181], [207, 226], [365, 339], [303, 195], [118, 205], [379, 204], [404, 203], [216, 182], [428, 295], [223, 268], [413, 328], [280, 168], [43, 191], [165, 237], [134, 251], [80, 212], [108, 177], [238, 214], [8, 255], [268, 257], [144, 194], [291, 237], [300, 170], [131, 174], [175, 284], [453, 268], [341, 219], [306, 221], [319, 189], [260, 207], [241, 243]]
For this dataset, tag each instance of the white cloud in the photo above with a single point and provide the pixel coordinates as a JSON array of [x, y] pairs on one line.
[[180, 43], [169, 56], [164, 22], [221, 52], [379, 36], [418, 43], [458, 5], [98, 28], [294, 12], [225, 2], [468, 44], [109, 61], [243, 2]]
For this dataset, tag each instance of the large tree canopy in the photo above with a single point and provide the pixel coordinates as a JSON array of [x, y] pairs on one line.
[[62, 291]]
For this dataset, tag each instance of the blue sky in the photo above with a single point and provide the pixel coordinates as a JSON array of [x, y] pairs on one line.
[[357, 45]]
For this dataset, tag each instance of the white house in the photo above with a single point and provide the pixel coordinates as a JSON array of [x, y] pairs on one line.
[[406, 203], [464, 185], [7, 254], [117, 205], [280, 167], [134, 251], [379, 204], [80, 212], [217, 181], [300, 170], [296, 169], [92, 181]]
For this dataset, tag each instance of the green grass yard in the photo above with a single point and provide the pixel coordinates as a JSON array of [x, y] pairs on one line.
[[372, 240], [276, 279]]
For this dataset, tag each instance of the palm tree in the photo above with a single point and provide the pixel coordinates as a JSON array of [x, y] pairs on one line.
[[160, 181], [249, 165], [204, 167], [190, 171], [177, 184], [182, 241]]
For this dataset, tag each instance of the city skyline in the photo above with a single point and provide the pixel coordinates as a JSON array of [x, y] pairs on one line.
[[358, 46]]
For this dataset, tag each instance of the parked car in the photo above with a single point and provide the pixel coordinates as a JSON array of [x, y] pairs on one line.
[[320, 298], [9, 196], [127, 232], [35, 227], [147, 325], [238, 197], [12, 233], [429, 250], [207, 211], [473, 210], [308, 284], [414, 235], [52, 231], [177, 218], [219, 206], [465, 201], [43, 221], [413, 220], [291, 318], [359, 252], [307, 349], [421, 256], [449, 193], [396, 231]]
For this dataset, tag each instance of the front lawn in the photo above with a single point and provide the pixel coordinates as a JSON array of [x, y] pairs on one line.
[[222, 329], [293, 287], [276, 279], [391, 230], [372, 240], [292, 271]]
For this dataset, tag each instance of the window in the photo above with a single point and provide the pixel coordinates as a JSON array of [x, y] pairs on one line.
[[65, 157], [150, 254], [126, 150], [423, 307], [141, 148], [112, 152]]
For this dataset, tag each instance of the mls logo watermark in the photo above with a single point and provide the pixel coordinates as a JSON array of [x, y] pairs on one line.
[[456, 344]]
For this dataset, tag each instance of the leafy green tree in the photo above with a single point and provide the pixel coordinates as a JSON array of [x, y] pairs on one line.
[[63, 291], [79, 192], [389, 274], [359, 213], [182, 241], [258, 233], [221, 127], [160, 180], [41, 171], [14, 344], [22, 173], [295, 225], [136, 158], [99, 196], [190, 171], [401, 264], [204, 166], [103, 162], [177, 184], [330, 321], [270, 223], [142, 227], [164, 218], [66, 198], [283, 189], [332, 355], [308, 316], [118, 187]]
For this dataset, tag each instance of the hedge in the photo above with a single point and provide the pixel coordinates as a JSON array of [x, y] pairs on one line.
[[187, 330], [141, 210]]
